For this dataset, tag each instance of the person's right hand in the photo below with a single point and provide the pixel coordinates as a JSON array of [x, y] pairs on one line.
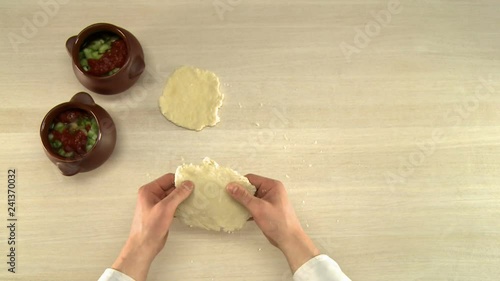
[[275, 216]]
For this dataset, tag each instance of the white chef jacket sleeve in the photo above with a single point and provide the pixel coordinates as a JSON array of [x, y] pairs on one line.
[[114, 275], [320, 268]]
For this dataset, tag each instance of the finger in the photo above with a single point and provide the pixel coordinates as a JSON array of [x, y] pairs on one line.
[[179, 194], [261, 192], [240, 194], [169, 190], [161, 185], [262, 184], [258, 181], [166, 181]]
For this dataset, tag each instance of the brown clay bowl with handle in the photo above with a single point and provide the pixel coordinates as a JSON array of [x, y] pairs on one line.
[[117, 82], [103, 145]]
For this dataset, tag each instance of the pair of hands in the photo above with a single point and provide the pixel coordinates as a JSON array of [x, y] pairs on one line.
[[158, 200]]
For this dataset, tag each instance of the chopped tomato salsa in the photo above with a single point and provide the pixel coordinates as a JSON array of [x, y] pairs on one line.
[[113, 58], [103, 55], [73, 133]]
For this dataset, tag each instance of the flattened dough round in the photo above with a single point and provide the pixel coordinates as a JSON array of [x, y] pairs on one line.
[[210, 206], [191, 98]]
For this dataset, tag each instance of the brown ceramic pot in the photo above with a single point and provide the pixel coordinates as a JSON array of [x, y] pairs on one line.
[[105, 141], [118, 82]]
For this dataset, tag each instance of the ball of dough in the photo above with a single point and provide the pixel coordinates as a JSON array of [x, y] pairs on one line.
[[210, 206], [191, 98]]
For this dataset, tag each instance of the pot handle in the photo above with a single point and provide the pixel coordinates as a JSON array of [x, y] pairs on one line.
[[137, 67], [70, 43], [68, 169], [84, 98]]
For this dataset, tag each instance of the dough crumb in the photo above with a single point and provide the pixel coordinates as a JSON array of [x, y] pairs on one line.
[[257, 124], [239, 104]]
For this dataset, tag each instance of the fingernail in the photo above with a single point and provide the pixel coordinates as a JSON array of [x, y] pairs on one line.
[[189, 185], [232, 188]]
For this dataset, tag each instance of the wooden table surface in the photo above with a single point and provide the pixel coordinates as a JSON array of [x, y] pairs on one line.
[[380, 117]]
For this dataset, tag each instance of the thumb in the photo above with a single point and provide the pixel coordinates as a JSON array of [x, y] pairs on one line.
[[179, 194], [240, 194]]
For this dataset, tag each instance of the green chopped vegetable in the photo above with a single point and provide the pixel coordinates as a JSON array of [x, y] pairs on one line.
[[96, 55], [113, 71], [59, 127], [95, 49], [104, 48], [56, 144], [89, 147], [73, 133], [87, 52], [95, 45]]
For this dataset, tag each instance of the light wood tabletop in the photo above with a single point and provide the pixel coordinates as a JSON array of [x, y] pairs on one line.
[[380, 117]]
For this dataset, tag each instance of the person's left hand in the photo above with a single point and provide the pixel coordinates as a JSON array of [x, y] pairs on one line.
[[154, 212]]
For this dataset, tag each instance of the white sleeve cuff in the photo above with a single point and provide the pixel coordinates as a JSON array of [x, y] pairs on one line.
[[114, 275], [320, 268]]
